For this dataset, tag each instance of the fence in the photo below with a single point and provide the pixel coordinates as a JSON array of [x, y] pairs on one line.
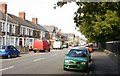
[[112, 46]]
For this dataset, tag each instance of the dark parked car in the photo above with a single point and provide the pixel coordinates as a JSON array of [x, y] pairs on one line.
[[9, 51]]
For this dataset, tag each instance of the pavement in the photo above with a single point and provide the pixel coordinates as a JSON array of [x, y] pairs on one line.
[[104, 64]]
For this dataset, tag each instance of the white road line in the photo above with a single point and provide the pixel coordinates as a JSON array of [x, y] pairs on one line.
[[39, 59], [54, 54], [7, 68]]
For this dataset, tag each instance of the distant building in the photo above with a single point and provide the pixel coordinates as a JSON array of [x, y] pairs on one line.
[[52, 33]]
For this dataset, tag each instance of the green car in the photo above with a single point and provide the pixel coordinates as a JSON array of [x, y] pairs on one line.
[[77, 59]]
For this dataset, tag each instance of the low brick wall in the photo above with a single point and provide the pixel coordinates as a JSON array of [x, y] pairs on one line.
[[113, 55], [23, 50]]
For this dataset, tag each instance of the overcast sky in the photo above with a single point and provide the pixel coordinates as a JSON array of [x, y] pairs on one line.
[[46, 14]]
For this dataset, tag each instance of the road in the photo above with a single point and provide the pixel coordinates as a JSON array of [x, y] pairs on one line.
[[52, 63]]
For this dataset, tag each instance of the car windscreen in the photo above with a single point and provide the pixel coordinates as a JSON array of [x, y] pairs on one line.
[[77, 53]]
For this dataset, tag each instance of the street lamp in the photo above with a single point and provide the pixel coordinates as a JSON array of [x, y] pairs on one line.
[[6, 29]]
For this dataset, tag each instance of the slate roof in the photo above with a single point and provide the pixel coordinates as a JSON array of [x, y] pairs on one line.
[[41, 27], [33, 25], [22, 22], [50, 28], [9, 19], [71, 35]]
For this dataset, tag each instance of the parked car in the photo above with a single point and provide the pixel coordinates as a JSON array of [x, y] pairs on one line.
[[9, 51], [41, 45], [77, 59], [57, 45], [65, 45]]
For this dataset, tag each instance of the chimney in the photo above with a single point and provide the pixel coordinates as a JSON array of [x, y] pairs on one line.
[[35, 20], [3, 7], [22, 15]]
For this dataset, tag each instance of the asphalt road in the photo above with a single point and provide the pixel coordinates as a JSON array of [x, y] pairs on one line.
[[52, 63]]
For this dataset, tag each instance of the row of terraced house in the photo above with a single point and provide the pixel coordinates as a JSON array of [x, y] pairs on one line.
[[22, 32]]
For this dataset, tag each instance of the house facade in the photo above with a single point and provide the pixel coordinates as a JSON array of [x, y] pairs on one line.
[[52, 33], [9, 30], [71, 38]]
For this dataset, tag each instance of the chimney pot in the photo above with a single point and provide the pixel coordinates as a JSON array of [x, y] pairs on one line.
[[22, 15], [35, 20], [3, 7]]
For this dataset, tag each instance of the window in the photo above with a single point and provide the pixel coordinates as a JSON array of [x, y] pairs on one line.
[[21, 30], [16, 42], [27, 31], [13, 28], [77, 53], [8, 27], [31, 32], [1, 40], [12, 40], [24, 31], [3, 26]]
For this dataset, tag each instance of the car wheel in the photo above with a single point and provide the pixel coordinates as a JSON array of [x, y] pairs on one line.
[[34, 51], [8, 56], [18, 55], [49, 50], [64, 68], [87, 70]]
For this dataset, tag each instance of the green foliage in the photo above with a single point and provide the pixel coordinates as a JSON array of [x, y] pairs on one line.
[[98, 21]]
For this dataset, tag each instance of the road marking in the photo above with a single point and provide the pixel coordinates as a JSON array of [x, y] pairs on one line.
[[54, 54], [7, 68], [39, 59]]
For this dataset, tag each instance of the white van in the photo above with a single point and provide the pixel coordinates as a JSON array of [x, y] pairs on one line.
[[57, 45]]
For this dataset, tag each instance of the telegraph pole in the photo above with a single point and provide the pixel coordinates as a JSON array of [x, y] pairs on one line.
[[6, 29]]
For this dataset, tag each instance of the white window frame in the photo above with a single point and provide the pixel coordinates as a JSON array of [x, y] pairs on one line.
[[3, 26], [8, 27], [13, 28]]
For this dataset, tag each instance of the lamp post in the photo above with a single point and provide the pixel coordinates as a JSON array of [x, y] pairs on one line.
[[6, 30]]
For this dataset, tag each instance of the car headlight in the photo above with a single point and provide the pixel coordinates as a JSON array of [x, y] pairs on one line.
[[83, 62], [66, 61]]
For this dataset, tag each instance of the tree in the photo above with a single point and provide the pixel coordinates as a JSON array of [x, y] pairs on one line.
[[98, 21]]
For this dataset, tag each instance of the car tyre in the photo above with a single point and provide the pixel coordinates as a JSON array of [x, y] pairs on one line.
[[87, 70], [34, 51], [49, 50], [8, 56], [18, 55], [65, 68]]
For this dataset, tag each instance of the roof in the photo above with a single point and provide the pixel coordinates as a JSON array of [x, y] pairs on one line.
[[21, 21], [41, 27], [71, 35], [33, 25], [50, 28], [9, 19]]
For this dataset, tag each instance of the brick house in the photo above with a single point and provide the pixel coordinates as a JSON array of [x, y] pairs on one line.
[[11, 27], [26, 31], [19, 30]]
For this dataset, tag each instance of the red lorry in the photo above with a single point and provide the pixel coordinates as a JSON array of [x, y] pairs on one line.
[[41, 45]]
